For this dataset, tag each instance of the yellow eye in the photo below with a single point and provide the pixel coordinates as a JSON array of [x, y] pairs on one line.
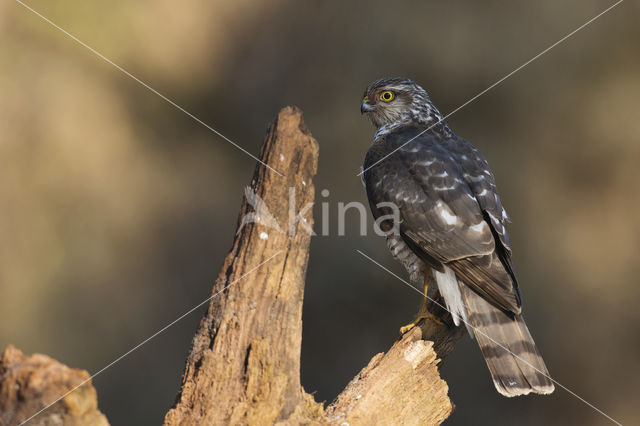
[[387, 96]]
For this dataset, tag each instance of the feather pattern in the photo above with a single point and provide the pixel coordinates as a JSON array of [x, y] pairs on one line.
[[515, 364], [452, 220], [441, 219]]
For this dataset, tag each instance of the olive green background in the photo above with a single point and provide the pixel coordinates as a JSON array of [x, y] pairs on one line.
[[116, 209]]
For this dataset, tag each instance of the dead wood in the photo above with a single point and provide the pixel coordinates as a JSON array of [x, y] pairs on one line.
[[29, 383], [244, 363], [244, 366]]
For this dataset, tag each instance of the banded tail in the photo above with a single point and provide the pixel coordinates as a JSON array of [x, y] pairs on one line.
[[516, 366]]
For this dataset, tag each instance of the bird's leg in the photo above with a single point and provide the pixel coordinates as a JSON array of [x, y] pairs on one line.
[[423, 313]]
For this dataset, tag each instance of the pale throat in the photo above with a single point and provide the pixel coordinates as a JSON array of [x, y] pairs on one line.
[[423, 115]]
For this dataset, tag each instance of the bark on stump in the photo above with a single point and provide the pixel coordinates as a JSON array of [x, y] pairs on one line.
[[244, 363], [244, 366], [29, 383]]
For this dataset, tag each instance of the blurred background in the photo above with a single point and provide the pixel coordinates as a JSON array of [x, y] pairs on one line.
[[116, 209]]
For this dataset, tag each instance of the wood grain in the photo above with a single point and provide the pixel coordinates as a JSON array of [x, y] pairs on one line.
[[244, 366], [244, 363]]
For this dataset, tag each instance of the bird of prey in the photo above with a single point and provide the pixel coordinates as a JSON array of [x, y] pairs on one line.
[[451, 229]]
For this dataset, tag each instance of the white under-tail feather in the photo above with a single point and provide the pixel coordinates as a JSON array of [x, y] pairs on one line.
[[450, 292]]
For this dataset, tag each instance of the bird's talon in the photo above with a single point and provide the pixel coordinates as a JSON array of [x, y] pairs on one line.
[[406, 328], [420, 317]]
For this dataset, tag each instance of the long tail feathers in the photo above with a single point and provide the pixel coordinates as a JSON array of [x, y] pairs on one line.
[[508, 348]]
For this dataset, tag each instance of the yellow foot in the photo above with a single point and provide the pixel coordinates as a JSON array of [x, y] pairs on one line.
[[420, 317]]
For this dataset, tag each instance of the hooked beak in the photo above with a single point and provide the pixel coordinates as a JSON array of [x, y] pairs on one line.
[[365, 107]]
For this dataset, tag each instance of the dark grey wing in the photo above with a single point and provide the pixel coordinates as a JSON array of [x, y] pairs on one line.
[[478, 176], [441, 219]]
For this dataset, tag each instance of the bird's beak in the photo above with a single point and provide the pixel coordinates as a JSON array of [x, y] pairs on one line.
[[365, 107]]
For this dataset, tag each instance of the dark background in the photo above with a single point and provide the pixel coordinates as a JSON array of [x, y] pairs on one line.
[[116, 209]]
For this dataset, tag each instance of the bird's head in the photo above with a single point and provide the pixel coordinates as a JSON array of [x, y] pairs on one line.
[[391, 101]]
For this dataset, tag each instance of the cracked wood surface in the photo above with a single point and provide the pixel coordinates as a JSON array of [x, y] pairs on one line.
[[244, 365], [30, 383]]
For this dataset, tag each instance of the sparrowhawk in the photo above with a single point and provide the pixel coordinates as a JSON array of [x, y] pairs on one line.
[[452, 228]]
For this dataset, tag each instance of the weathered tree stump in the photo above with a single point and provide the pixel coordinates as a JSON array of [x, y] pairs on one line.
[[244, 363], [29, 383], [244, 366]]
